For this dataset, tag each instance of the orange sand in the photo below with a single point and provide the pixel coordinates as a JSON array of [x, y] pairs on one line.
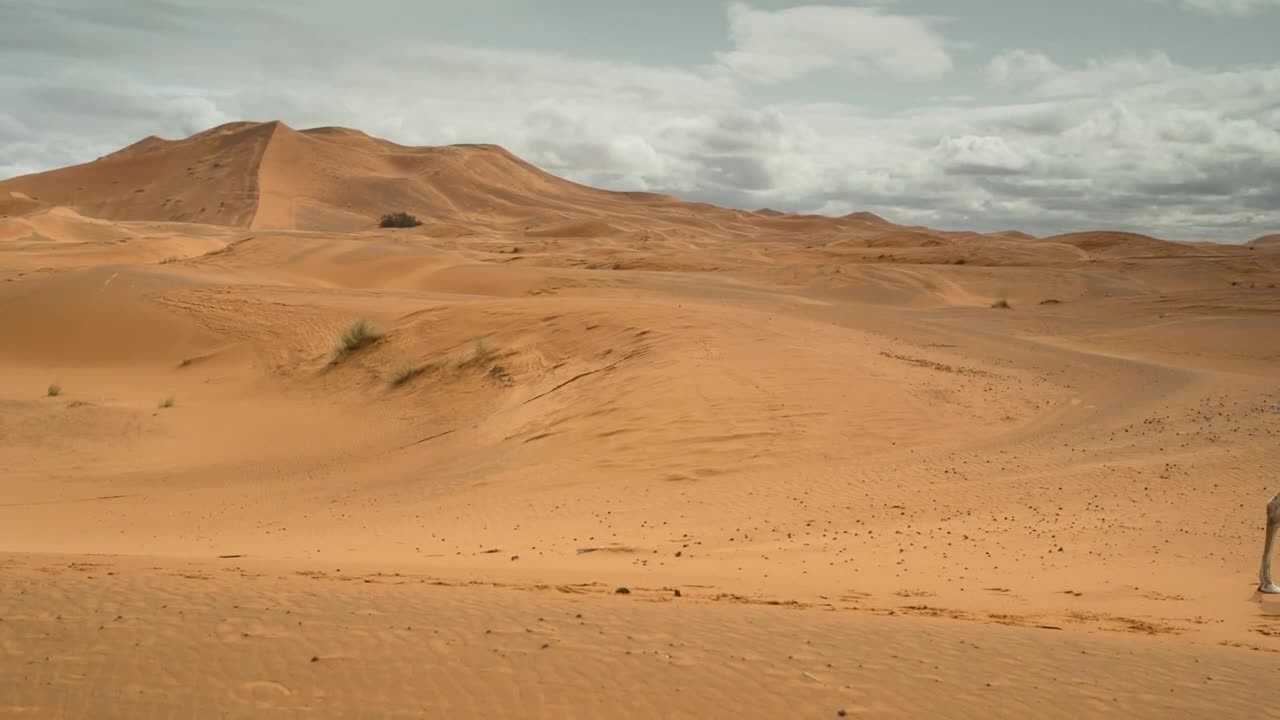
[[873, 490]]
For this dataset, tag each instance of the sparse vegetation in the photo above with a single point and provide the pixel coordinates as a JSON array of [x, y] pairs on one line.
[[167, 402], [1001, 304], [358, 335], [405, 373], [170, 259], [480, 355], [1050, 301], [399, 220], [54, 390]]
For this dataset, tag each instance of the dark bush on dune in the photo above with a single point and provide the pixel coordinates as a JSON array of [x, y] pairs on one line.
[[399, 220]]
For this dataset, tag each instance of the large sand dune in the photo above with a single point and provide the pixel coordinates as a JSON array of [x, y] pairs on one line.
[[867, 484]]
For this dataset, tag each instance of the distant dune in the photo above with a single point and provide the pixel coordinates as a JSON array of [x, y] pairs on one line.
[[868, 217], [270, 176], [211, 177], [1115, 245]]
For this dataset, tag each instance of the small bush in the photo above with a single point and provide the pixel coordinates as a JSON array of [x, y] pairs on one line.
[[959, 261], [405, 373], [358, 335], [167, 402], [54, 390], [1050, 301], [1001, 304], [399, 220]]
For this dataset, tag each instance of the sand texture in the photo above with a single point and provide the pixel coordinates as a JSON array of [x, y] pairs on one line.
[[838, 463]]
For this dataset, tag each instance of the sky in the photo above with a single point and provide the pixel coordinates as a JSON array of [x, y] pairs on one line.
[[1153, 116]]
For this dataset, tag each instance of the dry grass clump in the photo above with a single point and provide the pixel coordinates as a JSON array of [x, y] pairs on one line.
[[358, 335], [405, 373]]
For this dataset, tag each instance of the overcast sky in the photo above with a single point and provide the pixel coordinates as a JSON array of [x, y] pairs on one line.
[[1161, 116]]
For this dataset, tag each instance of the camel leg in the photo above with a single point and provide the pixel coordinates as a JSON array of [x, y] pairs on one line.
[[1273, 523]]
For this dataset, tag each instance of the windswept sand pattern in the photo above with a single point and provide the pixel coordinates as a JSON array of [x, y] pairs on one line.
[[240, 642], [877, 463]]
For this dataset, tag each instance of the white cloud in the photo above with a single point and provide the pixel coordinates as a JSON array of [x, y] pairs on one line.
[[980, 155], [1020, 68], [1238, 8], [1023, 69], [774, 46]]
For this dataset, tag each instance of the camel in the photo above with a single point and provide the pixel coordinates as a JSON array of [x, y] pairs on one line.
[[1273, 523]]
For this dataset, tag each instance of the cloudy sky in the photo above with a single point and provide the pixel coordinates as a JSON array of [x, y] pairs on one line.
[[1161, 116]]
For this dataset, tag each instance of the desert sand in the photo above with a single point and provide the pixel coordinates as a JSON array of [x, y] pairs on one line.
[[836, 464]]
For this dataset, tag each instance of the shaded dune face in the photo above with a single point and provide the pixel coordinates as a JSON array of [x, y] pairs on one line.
[[837, 433]]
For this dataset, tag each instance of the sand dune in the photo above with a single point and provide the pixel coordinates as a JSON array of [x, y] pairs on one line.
[[1116, 245], [879, 463], [270, 176]]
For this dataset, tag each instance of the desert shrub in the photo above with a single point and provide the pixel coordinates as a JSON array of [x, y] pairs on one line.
[[54, 390], [399, 220], [1050, 301], [1001, 304], [359, 334], [167, 402]]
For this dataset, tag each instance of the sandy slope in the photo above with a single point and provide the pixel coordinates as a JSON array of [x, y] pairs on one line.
[[817, 429]]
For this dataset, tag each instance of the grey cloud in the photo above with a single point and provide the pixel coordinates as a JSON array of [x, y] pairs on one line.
[[980, 155], [738, 172]]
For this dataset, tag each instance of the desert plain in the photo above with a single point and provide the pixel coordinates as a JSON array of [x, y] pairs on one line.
[[608, 454]]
